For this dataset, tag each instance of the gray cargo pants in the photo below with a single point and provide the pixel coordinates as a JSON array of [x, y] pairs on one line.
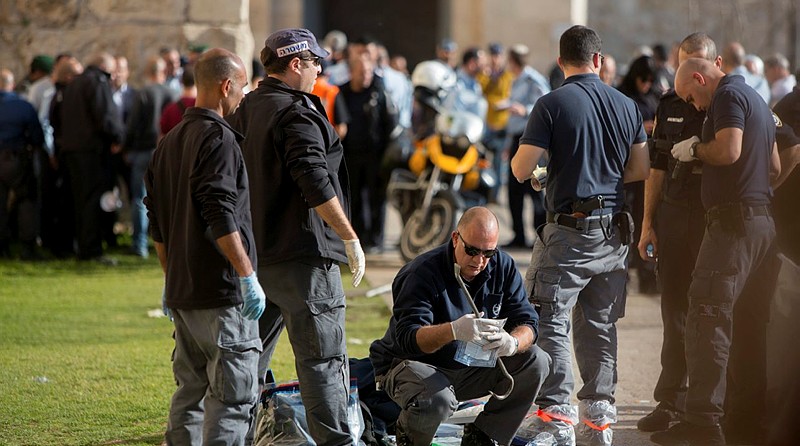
[[306, 295], [428, 395], [215, 365], [585, 270]]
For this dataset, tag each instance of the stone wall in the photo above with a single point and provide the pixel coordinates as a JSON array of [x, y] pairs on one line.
[[133, 28], [762, 26]]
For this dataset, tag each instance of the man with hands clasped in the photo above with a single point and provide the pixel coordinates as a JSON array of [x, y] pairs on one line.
[[417, 361], [198, 204]]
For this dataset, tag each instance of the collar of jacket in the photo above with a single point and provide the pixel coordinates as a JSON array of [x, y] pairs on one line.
[[311, 101], [204, 113]]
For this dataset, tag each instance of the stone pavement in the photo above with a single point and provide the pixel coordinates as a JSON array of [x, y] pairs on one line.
[[639, 332]]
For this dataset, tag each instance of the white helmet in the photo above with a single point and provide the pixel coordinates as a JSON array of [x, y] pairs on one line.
[[433, 75]]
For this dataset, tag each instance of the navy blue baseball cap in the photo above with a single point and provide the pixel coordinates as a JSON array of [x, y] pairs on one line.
[[291, 41]]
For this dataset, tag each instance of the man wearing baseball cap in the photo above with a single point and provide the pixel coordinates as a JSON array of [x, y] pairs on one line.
[[300, 206]]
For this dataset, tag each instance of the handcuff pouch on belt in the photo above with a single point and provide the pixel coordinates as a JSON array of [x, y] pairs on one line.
[[624, 221]]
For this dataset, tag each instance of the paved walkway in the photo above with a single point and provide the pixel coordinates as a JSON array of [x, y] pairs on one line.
[[639, 332]]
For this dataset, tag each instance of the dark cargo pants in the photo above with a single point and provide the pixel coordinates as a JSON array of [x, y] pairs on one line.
[[727, 265], [428, 396]]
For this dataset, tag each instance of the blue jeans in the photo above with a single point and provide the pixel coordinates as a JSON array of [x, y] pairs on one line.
[[215, 365], [139, 161]]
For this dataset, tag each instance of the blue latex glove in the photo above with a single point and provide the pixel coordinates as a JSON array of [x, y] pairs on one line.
[[164, 306], [253, 295]]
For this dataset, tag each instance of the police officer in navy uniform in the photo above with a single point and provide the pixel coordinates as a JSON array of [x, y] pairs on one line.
[[673, 227], [739, 162], [595, 142]]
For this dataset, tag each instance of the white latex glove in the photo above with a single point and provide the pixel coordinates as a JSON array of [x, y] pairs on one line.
[[680, 151], [355, 259], [469, 328], [505, 344]]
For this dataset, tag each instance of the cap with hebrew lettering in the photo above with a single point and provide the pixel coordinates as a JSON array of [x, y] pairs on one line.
[[291, 41]]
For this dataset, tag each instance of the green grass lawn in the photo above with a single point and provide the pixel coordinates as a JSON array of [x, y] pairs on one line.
[[82, 363]]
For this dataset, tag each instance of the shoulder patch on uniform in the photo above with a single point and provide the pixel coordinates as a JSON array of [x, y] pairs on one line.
[[674, 118], [778, 122]]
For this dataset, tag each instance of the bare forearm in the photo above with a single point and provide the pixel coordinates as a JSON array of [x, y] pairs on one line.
[[232, 248], [525, 337], [526, 159], [333, 214], [789, 159], [652, 196], [161, 251], [723, 150], [434, 337]]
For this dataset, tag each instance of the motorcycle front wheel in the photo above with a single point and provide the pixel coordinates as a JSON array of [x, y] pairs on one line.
[[421, 234]]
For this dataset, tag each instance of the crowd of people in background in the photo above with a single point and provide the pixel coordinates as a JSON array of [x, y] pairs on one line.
[[96, 130]]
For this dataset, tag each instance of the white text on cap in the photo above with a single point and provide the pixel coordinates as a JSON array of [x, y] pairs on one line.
[[292, 49]]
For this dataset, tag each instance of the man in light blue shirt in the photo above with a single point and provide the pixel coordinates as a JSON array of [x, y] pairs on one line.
[[733, 63]]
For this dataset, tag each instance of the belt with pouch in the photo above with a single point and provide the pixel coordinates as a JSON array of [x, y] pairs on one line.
[[737, 211], [580, 223]]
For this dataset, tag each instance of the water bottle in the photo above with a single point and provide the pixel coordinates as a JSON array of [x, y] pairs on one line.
[[650, 251]]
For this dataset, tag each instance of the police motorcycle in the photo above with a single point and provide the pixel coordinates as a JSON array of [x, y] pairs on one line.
[[448, 171]]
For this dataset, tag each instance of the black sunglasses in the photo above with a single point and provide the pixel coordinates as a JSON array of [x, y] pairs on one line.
[[316, 61], [473, 251]]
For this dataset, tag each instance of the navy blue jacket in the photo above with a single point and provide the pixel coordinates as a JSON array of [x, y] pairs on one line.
[[19, 123], [426, 293]]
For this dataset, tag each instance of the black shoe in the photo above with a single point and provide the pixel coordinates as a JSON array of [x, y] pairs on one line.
[[476, 437], [685, 433], [657, 420]]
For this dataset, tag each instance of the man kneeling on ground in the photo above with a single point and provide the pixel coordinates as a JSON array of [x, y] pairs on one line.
[[415, 362]]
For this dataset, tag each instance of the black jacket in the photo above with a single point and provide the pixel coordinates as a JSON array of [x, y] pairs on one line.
[[196, 193], [294, 161], [676, 121], [373, 118], [90, 120]]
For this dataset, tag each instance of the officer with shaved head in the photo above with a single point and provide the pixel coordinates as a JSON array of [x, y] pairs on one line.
[[737, 149]]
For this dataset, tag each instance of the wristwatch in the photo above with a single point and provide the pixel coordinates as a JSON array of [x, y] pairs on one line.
[[693, 149]]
